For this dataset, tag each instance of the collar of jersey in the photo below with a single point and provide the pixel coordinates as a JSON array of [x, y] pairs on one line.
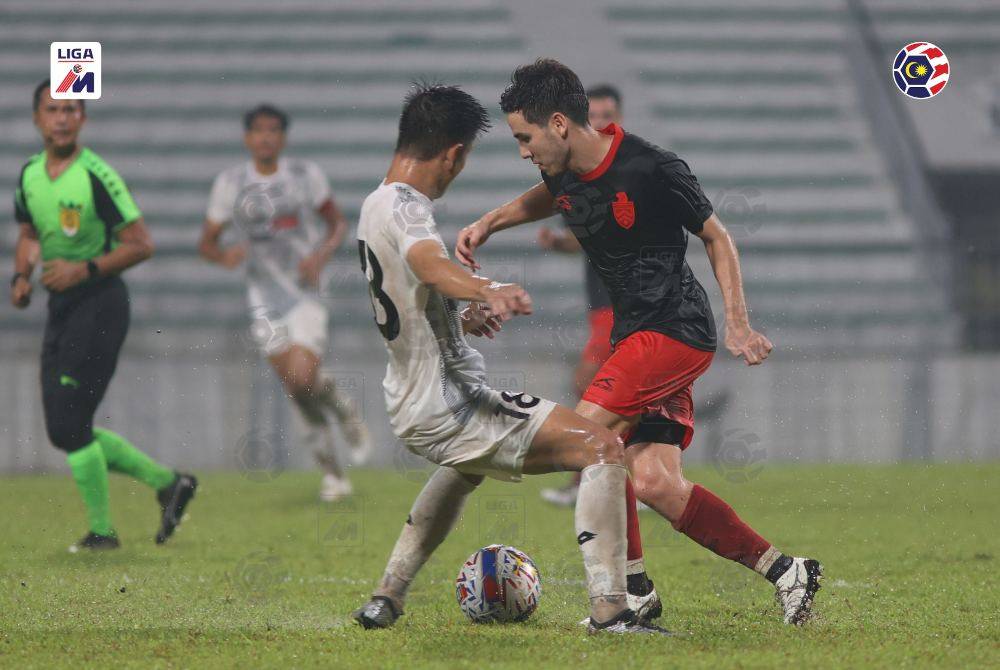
[[615, 130], [410, 189], [256, 176]]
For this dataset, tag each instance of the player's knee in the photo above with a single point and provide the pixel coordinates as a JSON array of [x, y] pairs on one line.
[[608, 447], [656, 487]]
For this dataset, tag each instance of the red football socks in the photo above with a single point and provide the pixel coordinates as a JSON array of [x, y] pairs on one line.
[[632, 521], [713, 524]]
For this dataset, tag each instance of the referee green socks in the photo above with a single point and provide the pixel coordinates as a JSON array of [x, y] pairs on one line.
[[90, 471], [122, 457]]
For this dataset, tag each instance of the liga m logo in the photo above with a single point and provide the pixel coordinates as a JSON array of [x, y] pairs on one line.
[[75, 70]]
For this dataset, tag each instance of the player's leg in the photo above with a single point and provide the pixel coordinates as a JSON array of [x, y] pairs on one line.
[[711, 522], [308, 326], [349, 417], [432, 516], [67, 399], [567, 441], [595, 352], [298, 369], [642, 594], [644, 368]]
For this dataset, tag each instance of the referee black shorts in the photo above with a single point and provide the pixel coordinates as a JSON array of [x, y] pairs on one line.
[[84, 332]]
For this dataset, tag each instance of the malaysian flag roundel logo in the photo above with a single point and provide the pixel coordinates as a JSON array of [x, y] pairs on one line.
[[920, 70]]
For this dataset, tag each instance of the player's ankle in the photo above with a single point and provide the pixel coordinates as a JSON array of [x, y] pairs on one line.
[[606, 609], [772, 564], [638, 584]]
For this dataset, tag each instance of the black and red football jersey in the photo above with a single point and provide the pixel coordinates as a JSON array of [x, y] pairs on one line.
[[632, 214]]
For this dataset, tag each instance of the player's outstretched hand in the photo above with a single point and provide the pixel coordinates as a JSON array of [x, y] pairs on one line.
[[506, 300], [20, 293], [470, 238], [477, 320], [746, 342]]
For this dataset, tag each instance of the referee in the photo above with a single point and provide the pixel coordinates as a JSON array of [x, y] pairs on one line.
[[76, 208]]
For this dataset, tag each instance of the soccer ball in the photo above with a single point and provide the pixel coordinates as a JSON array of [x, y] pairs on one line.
[[498, 584]]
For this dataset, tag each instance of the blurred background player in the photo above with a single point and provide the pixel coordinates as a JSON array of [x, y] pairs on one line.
[[275, 203], [77, 209]]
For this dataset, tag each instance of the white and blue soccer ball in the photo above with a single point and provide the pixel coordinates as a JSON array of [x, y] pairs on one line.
[[498, 584]]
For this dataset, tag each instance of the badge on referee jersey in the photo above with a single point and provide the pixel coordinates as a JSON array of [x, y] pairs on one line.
[[75, 70]]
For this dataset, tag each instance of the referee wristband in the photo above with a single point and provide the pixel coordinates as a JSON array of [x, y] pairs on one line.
[[17, 275], [92, 270]]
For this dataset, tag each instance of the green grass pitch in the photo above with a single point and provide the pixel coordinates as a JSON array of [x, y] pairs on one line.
[[263, 575]]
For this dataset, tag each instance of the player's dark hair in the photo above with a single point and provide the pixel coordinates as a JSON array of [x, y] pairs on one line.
[[602, 91], [436, 117], [36, 98], [540, 89], [265, 110]]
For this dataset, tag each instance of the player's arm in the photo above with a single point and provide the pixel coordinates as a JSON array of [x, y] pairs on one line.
[[336, 228], [25, 257], [741, 339], [210, 249], [134, 246], [431, 265], [534, 204]]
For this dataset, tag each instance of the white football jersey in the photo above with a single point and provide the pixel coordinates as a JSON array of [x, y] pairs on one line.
[[435, 381], [277, 215]]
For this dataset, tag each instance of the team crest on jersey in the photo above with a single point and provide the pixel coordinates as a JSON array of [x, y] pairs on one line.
[[69, 218], [920, 70], [624, 210]]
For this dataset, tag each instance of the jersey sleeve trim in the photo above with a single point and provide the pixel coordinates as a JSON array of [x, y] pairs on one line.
[[21, 212], [107, 210], [119, 205]]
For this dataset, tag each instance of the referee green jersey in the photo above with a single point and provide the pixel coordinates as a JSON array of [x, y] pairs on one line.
[[77, 214]]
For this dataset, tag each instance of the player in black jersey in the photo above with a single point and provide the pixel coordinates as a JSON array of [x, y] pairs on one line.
[[632, 205], [605, 104]]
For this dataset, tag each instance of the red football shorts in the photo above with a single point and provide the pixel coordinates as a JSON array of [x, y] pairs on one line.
[[598, 347], [651, 375]]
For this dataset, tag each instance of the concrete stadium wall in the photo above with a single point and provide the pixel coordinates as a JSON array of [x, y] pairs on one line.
[[226, 412]]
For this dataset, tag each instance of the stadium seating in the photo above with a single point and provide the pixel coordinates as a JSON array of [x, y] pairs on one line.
[[757, 98]]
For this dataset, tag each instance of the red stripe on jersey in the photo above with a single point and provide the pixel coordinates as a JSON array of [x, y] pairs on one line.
[[933, 53], [941, 69], [913, 45], [937, 87], [612, 129]]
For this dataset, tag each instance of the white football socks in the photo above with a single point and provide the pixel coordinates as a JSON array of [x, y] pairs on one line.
[[434, 513], [600, 532]]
